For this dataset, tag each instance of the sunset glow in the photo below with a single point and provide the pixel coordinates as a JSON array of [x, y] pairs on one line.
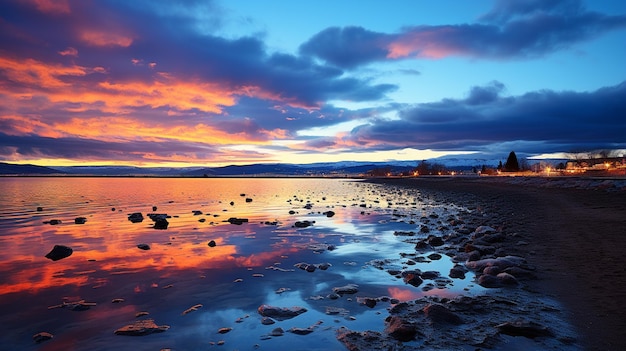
[[167, 84]]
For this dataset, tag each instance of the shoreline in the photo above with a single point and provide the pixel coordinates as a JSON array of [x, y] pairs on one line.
[[574, 237]]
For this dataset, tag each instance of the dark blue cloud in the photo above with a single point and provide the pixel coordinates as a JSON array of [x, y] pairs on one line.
[[565, 119], [347, 47], [35, 147], [513, 29]]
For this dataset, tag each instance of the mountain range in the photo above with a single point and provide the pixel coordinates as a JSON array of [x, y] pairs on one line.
[[350, 168], [344, 168]]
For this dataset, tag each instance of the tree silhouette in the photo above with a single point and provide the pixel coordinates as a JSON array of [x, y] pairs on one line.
[[511, 164]]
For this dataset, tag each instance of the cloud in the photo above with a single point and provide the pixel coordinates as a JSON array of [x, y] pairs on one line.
[[347, 47], [485, 117], [513, 29], [34, 147]]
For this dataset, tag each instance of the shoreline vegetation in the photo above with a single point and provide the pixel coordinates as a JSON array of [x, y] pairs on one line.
[[571, 230]]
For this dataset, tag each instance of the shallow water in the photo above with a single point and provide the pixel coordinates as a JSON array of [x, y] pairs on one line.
[[245, 269]]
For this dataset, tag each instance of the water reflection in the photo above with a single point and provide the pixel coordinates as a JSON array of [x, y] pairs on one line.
[[245, 268]]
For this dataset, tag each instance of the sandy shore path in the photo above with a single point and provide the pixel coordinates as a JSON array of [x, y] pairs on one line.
[[576, 239]]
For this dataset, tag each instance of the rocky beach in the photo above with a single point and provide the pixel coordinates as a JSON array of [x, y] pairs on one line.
[[428, 263], [555, 238]]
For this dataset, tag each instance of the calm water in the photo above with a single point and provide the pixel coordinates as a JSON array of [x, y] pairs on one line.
[[251, 264]]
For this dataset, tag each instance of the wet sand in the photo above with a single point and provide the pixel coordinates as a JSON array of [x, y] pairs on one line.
[[576, 239]]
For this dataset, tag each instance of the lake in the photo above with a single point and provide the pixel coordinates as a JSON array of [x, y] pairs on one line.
[[195, 288]]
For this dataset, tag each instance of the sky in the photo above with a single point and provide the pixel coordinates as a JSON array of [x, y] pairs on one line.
[[221, 82]]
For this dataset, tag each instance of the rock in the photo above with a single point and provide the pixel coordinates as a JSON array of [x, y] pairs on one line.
[[196, 212], [53, 222], [441, 315], [303, 224], [412, 278], [237, 221], [39, 209], [277, 332], [300, 331], [507, 279], [141, 327], [435, 241], [224, 330], [429, 275], [400, 329], [346, 289], [267, 321], [212, 243], [161, 224], [403, 233], [500, 262], [136, 217], [117, 300], [154, 208], [367, 301], [491, 270], [329, 214], [155, 216], [59, 252], [488, 281], [280, 313], [526, 329], [362, 341], [248, 199], [324, 266], [457, 271], [144, 246], [434, 256], [80, 220], [42, 336]]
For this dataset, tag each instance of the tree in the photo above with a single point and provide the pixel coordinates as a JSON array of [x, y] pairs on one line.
[[511, 164]]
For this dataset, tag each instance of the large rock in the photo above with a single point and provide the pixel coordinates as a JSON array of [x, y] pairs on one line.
[[346, 289], [141, 327], [412, 277], [500, 262], [441, 315], [161, 223], [136, 217], [280, 313], [400, 329], [59, 252], [303, 224], [237, 221]]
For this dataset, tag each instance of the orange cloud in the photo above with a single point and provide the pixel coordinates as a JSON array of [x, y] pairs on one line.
[[35, 73], [52, 6], [99, 38], [70, 51], [206, 97]]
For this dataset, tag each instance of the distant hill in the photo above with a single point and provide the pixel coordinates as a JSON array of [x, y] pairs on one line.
[[280, 169], [125, 171], [13, 169], [348, 168]]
